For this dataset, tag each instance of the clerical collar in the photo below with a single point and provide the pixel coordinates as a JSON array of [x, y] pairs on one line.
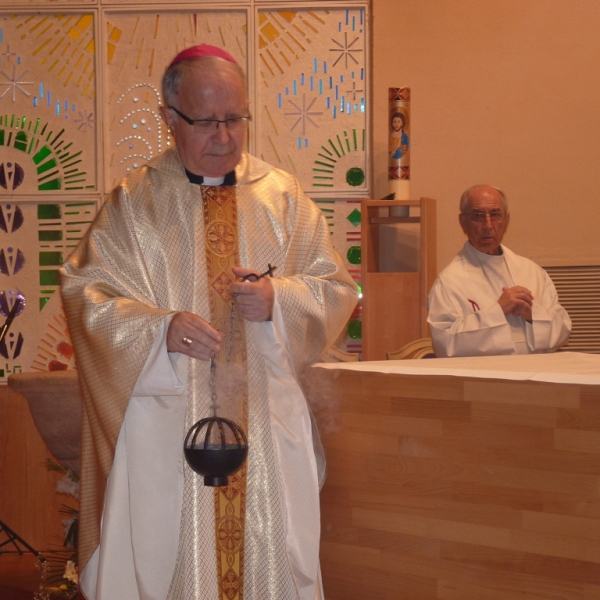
[[492, 261], [478, 253], [229, 179]]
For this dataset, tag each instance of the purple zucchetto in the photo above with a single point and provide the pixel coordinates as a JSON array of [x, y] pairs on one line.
[[202, 50]]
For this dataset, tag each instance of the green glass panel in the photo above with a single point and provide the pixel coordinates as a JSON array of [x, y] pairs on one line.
[[49, 277], [51, 259], [1, 137], [41, 155], [354, 255], [21, 141], [359, 289], [355, 330], [355, 176], [354, 217], [43, 302], [50, 164], [50, 236], [53, 184], [49, 211]]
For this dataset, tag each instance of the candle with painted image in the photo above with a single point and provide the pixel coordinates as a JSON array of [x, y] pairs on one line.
[[399, 146]]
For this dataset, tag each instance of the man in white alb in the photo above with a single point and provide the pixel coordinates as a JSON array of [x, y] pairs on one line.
[[488, 300]]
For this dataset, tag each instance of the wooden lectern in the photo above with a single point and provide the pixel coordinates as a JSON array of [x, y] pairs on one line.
[[395, 304]]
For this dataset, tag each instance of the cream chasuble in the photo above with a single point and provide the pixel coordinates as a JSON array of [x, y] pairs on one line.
[[145, 258]]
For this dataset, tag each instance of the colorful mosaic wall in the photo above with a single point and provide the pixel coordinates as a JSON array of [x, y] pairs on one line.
[[344, 219], [35, 239], [312, 90], [79, 109], [139, 48]]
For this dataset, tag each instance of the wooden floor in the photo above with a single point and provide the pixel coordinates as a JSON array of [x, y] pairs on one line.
[[20, 578]]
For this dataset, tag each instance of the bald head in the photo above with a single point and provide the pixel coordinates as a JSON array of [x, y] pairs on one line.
[[474, 190]]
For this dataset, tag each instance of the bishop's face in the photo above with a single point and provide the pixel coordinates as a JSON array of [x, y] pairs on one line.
[[216, 93], [481, 223]]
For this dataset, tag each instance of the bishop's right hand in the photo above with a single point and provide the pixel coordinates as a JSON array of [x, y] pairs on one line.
[[190, 334]]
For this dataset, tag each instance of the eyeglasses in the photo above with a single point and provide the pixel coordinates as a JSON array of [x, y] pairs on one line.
[[208, 126], [478, 216]]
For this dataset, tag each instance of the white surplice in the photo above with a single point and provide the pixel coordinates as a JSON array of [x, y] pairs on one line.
[[466, 319]]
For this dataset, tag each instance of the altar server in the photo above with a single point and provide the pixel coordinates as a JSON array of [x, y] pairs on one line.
[[148, 295], [489, 300]]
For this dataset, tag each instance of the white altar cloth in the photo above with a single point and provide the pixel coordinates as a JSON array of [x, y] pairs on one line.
[[558, 367]]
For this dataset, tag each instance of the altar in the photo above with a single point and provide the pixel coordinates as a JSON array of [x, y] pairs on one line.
[[461, 478]]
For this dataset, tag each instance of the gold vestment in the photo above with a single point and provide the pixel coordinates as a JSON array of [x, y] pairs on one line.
[[144, 258]]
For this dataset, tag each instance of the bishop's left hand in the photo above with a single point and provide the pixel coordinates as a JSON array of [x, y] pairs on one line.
[[254, 298]]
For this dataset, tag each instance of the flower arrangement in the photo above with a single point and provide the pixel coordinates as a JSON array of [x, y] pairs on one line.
[[60, 577]]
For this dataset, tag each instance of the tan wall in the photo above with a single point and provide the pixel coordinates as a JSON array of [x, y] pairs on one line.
[[505, 92]]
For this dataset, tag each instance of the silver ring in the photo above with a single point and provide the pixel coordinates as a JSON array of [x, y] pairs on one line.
[[187, 341]]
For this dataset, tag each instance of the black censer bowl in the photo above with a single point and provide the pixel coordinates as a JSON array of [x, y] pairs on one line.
[[215, 448]]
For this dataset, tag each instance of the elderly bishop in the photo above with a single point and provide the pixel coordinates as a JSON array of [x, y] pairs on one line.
[[148, 295]]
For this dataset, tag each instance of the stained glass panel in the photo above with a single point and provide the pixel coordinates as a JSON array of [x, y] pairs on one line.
[[140, 46], [47, 103], [311, 74]]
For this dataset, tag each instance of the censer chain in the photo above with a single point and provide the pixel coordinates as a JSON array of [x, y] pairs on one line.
[[213, 362]]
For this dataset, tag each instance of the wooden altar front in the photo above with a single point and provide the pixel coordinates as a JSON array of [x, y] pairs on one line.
[[461, 479]]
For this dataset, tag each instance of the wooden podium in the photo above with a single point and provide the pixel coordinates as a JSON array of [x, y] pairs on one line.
[[395, 303]]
